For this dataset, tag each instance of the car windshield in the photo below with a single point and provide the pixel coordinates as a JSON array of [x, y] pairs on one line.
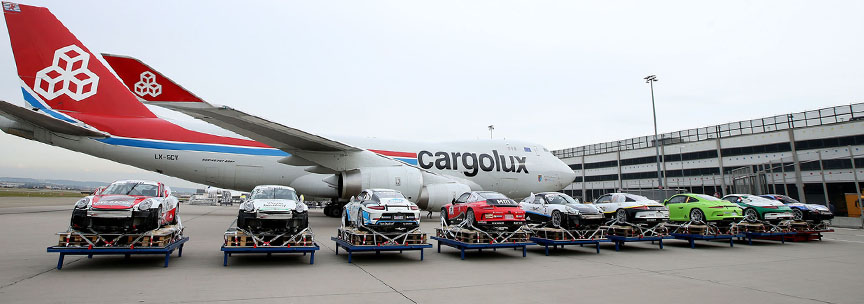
[[704, 197], [132, 188], [389, 194], [493, 195], [274, 193], [560, 199]]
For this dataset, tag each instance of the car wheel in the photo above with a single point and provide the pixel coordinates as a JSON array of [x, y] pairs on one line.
[[345, 222], [358, 222], [621, 215], [241, 220], [174, 220], [469, 217], [444, 220], [797, 214], [751, 215], [556, 218], [696, 215], [157, 219]]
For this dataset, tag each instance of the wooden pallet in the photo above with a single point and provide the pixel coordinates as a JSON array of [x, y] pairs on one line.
[[744, 227], [237, 238], [477, 237], [157, 238], [366, 238]]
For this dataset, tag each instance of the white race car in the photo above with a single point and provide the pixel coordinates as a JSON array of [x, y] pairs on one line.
[[381, 210], [631, 208], [560, 210], [127, 206], [273, 208]]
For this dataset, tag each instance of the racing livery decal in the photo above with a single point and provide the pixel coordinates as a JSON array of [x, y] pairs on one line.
[[68, 74]]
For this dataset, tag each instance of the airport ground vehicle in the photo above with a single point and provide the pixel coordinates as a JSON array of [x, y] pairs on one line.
[[382, 210], [801, 211], [484, 210], [273, 208], [701, 208], [127, 206], [759, 208], [626, 207], [560, 210]]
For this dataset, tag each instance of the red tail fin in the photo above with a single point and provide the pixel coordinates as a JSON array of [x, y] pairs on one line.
[[59, 72], [146, 82]]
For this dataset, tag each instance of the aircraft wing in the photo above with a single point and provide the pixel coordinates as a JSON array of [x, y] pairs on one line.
[[25, 115], [273, 134]]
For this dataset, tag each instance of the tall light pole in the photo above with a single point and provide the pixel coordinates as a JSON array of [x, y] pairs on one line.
[[657, 142], [491, 127]]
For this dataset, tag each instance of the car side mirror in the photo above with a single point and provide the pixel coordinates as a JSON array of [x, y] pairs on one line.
[[301, 198], [353, 198], [453, 201]]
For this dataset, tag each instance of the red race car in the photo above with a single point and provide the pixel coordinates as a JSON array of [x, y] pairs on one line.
[[484, 210], [127, 206]]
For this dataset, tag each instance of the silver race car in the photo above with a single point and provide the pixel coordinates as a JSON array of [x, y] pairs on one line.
[[273, 208], [381, 210], [556, 209]]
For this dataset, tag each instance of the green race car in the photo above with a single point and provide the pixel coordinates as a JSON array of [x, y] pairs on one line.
[[760, 208], [701, 208]]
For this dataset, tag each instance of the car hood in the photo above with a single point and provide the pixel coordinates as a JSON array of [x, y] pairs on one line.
[[116, 201], [274, 204], [585, 208], [810, 206]]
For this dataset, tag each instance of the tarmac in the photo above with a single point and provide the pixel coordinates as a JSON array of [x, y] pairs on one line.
[[829, 271]]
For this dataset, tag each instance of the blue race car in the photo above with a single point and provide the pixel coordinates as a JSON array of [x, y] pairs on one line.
[[803, 212]]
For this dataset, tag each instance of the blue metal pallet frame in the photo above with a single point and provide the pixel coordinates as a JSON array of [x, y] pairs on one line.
[[167, 251], [555, 243], [228, 251], [691, 238], [766, 236], [462, 246], [352, 248], [620, 240]]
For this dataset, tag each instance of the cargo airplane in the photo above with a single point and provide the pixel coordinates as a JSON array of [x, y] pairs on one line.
[[74, 101]]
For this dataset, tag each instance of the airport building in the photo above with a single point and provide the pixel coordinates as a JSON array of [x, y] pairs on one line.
[[809, 156]]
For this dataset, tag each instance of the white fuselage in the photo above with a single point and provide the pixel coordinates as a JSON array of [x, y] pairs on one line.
[[515, 169]]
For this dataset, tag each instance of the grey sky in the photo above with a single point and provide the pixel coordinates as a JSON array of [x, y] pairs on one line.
[[561, 74]]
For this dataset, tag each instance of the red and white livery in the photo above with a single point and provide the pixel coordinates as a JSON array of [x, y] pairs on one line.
[[127, 206]]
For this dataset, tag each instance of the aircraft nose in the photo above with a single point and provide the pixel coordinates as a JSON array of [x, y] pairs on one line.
[[566, 175]]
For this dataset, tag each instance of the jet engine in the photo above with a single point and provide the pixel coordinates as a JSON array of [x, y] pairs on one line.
[[428, 191]]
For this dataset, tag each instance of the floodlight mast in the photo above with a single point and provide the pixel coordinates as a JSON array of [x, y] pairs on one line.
[[657, 142]]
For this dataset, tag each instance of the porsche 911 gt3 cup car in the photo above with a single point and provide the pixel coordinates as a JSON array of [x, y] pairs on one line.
[[803, 212], [632, 208], [273, 208], [127, 206], [560, 210], [484, 210], [760, 208], [381, 210]]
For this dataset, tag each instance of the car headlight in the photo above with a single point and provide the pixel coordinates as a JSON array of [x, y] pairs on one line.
[[82, 203], [145, 204], [249, 207], [571, 210], [301, 207]]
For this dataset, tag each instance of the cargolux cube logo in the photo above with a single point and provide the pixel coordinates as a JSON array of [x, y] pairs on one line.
[[147, 85], [68, 74]]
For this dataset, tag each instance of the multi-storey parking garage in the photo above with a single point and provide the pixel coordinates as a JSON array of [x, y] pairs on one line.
[[808, 155]]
